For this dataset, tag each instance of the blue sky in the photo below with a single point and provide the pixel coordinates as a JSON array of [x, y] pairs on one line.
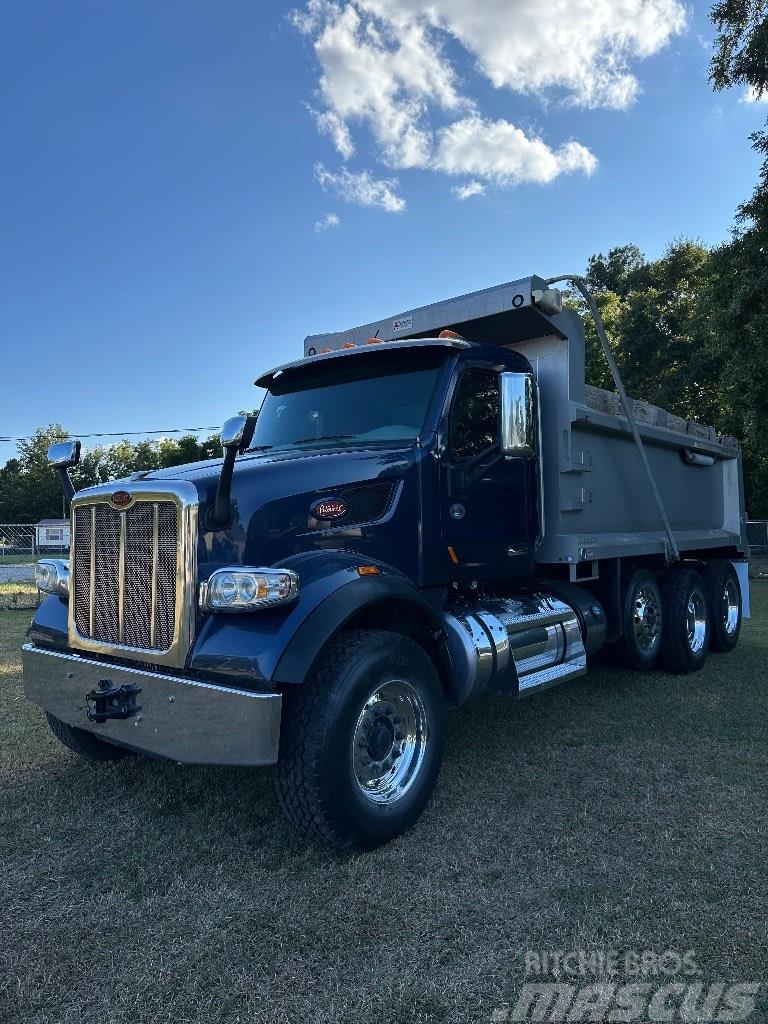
[[161, 198]]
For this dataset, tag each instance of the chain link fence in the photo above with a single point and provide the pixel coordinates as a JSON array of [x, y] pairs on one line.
[[18, 542], [26, 542], [21, 544], [757, 535]]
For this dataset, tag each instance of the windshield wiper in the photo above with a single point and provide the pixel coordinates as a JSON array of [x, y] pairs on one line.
[[323, 437]]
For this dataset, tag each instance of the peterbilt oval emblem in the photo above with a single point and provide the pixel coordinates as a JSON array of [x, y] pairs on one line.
[[329, 508], [121, 499]]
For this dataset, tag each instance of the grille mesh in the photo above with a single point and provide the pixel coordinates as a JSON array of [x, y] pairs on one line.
[[149, 582], [366, 502]]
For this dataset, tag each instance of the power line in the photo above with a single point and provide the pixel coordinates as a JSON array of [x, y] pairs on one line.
[[126, 433]]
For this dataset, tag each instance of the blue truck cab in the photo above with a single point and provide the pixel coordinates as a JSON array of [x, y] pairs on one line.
[[383, 542]]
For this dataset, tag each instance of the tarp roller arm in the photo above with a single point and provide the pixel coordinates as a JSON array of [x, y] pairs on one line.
[[581, 285]]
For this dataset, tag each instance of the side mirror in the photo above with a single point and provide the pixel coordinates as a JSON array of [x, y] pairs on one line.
[[64, 454], [519, 414], [237, 432], [236, 436]]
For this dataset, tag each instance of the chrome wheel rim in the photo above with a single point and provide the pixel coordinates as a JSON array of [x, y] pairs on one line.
[[730, 608], [389, 742], [647, 619], [697, 621]]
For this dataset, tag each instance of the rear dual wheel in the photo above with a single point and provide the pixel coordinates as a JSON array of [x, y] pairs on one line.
[[675, 621], [642, 620], [724, 595], [685, 628]]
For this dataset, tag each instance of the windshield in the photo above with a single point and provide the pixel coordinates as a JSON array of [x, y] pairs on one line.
[[350, 400]]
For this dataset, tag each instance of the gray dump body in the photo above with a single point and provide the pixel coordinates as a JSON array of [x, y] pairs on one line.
[[597, 500]]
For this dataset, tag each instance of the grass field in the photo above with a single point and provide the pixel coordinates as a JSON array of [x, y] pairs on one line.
[[620, 812]]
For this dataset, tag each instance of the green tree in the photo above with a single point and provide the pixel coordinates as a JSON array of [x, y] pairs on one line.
[[653, 316], [9, 490], [623, 270], [31, 490], [38, 489], [736, 300]]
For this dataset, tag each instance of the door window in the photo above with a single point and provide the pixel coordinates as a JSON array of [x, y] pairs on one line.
[[475, 414]]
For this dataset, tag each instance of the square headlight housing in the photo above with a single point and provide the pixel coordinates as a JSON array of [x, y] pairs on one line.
[[246, 589]]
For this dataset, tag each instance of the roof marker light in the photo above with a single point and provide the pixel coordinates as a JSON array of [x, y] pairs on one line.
[[450, 334]]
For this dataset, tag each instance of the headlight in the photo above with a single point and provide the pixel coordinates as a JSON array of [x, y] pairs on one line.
[[243, 589], [52, 576]]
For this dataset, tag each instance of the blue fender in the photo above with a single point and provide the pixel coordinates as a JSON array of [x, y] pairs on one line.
[[279, 645], [49, 624]]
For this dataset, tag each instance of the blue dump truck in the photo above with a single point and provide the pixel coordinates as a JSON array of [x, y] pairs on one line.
[[427, 509]]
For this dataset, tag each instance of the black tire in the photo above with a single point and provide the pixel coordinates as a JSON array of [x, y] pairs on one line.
[[685, 628], [724, 596], [327, 734], [85, 743], [642, 618]]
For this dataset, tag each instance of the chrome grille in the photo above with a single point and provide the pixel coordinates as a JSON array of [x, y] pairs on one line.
[[125, 574]]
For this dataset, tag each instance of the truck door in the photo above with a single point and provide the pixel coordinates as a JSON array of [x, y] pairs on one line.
[[488, 519]]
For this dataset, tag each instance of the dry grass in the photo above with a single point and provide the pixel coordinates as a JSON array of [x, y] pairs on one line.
[[22, 594], [624, 811]]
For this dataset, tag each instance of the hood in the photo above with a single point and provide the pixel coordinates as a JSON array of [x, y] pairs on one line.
[[275, 497]]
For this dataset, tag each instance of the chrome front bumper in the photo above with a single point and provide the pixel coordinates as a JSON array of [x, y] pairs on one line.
[[180, 719]]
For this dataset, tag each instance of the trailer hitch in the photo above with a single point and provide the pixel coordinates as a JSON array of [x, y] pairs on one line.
[[110, 701]]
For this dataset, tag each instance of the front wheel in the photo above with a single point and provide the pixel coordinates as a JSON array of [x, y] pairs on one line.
[[361, 741], [84, 743]]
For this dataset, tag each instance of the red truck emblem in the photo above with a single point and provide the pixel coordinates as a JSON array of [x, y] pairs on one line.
[[121, 499], [329, 508]]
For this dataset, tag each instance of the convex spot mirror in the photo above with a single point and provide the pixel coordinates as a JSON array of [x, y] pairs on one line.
[[64, 454], [518, 414]]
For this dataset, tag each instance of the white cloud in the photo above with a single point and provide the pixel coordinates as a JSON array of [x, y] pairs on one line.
[[361, 188], [383, 76], [330, 220], [751, 95], [384, 69], [503, 153], [329, 123], [468, 189], [582, 46]]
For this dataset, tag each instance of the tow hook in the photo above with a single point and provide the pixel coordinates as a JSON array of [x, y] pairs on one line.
[[110, 701]]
